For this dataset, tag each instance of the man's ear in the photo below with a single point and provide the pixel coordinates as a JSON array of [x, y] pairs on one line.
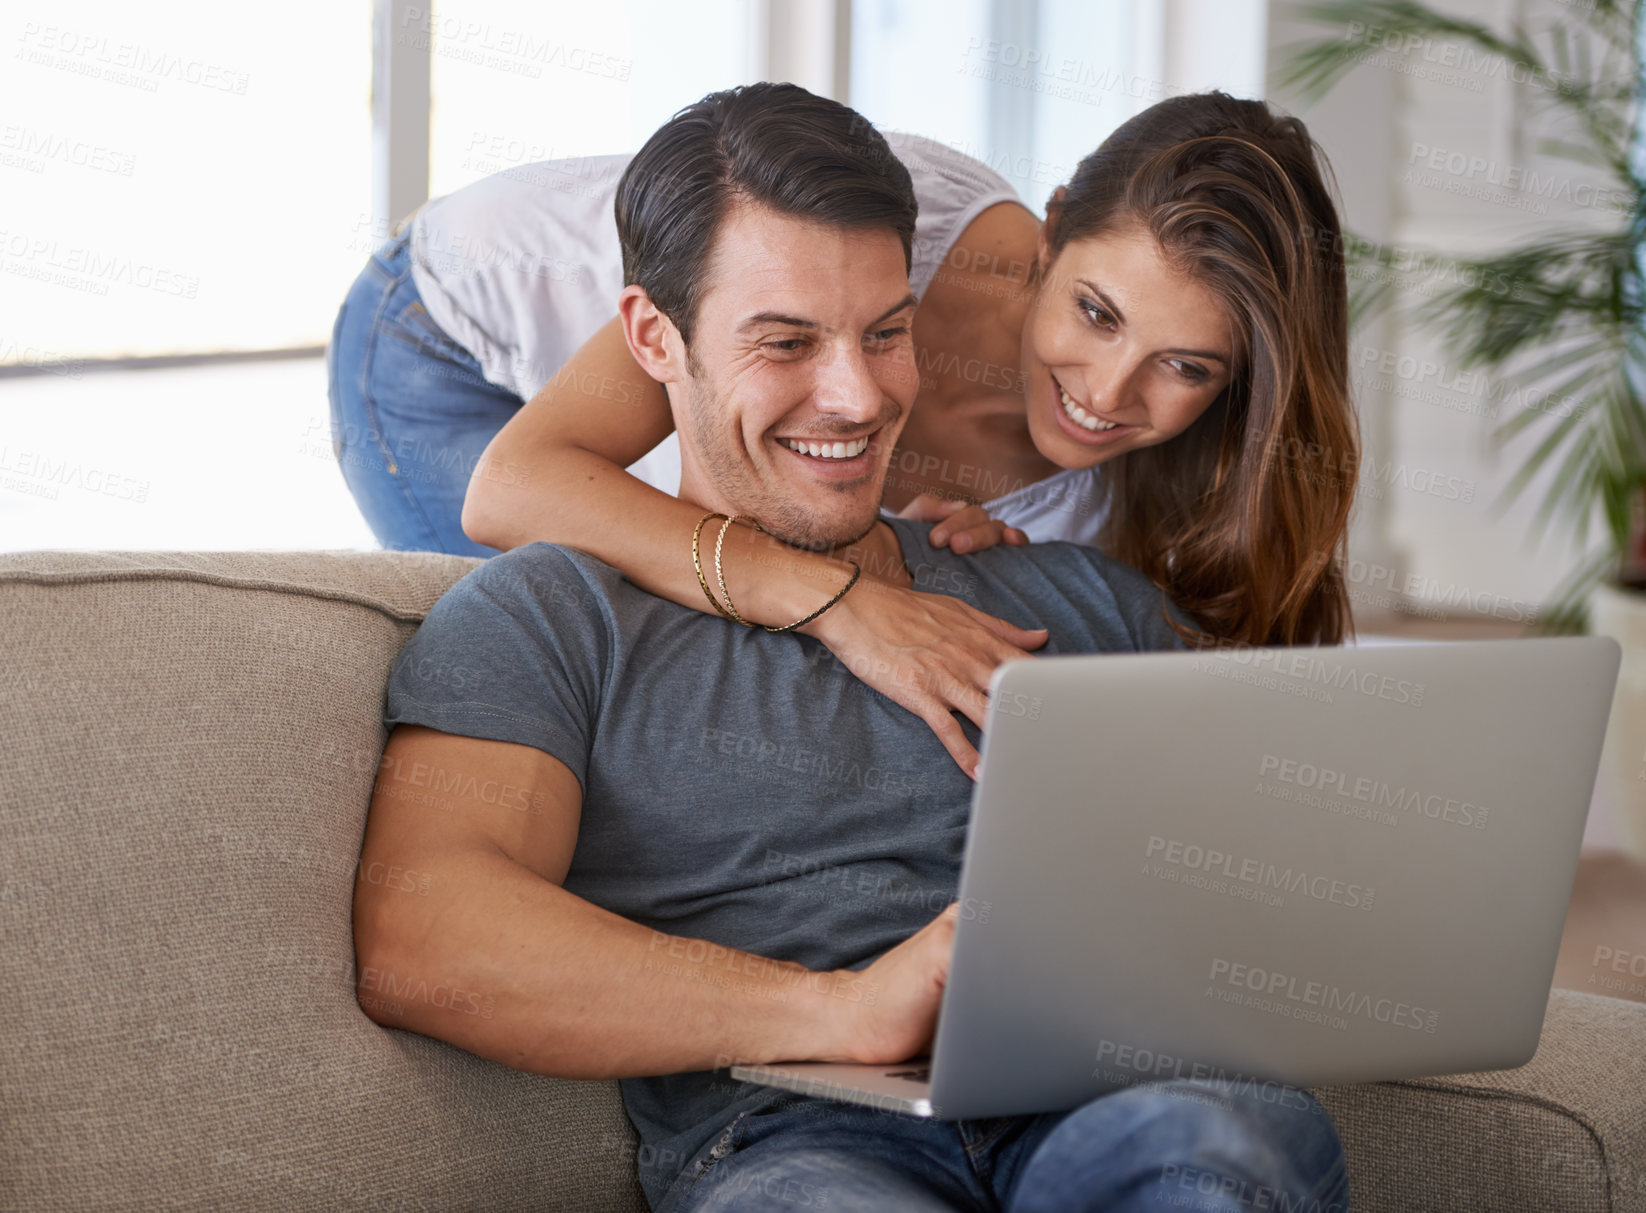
[[652, 337]]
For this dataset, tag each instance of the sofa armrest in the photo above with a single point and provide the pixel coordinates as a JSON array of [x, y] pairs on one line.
[[1565, 1132]]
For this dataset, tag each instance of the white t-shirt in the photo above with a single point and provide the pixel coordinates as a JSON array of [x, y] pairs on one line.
[[522, 267]]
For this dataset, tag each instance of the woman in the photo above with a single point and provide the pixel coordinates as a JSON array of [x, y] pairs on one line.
[[1182, 305]]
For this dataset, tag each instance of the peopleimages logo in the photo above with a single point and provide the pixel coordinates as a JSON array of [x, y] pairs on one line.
[[1299, 663], [1373, 791], [1266, 876], [1136, 1064], [1310, 997]]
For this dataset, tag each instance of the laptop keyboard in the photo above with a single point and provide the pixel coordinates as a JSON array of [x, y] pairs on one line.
[[923, 1074]]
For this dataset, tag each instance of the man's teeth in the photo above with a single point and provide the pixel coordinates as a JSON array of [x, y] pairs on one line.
[[828, 450], [1081, 417]]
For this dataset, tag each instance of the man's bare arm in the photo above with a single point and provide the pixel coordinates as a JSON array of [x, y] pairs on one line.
[[462, 932]]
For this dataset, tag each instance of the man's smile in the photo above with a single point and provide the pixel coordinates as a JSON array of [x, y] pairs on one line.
[[830, 458], [826, 449]]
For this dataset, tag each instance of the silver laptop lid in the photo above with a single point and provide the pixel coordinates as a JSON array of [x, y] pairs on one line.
[[1303, 865]]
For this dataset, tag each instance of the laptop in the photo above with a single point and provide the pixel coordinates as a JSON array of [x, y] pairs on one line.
[[1302, 866]]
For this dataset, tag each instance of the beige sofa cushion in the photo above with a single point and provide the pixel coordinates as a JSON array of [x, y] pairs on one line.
[[189, 746], [1566, 1131]]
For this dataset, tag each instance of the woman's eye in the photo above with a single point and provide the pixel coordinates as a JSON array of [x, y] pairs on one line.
[[1096, 313], [1191, 372]]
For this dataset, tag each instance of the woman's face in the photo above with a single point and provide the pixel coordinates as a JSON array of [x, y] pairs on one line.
[[1120, 350]]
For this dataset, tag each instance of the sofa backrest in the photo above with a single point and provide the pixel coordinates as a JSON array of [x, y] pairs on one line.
[[187, 750]]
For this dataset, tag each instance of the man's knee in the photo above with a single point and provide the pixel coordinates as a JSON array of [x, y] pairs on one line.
[[793, 1178], [1285, 1114], [1281, 1133], [1169, 1122], [1267, 1109]]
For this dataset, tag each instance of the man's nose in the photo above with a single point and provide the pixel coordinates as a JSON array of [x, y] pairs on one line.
[[846, 387]]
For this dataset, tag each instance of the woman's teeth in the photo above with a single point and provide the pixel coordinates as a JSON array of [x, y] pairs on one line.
[[828, 450], [1081, 417]]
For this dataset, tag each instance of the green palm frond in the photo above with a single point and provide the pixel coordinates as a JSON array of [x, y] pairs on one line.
[[1561, 316], [1587, 66], [1314, 67], [1567, 612], [1576, 153], [1537, 379]]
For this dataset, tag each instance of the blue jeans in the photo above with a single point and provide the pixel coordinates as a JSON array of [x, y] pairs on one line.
[[1196, 1146], [410, 411]]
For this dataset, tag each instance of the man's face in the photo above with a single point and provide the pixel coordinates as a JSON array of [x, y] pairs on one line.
[[800, 375]]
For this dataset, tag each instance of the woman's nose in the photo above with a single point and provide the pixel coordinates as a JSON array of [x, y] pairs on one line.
[[1107, 386]]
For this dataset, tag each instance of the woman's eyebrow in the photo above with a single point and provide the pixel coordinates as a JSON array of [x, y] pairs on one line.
[[1102, 298], [1121, 319], [1212, 354]]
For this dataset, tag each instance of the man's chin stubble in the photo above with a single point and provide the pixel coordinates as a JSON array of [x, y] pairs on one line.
[[812, 541], [786, 523]]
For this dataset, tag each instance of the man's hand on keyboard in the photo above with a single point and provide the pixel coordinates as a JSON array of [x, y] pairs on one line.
[[898, 1017]]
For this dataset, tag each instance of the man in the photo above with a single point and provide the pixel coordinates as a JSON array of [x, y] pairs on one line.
[[655, 843]]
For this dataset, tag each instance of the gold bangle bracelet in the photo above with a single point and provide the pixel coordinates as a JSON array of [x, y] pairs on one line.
[[720, 573], [697, 563], [857, 571], [729, 610]]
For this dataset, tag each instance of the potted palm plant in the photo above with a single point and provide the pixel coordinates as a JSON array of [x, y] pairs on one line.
[[1559, 314]]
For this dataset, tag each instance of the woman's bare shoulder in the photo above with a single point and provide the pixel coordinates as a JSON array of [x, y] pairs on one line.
[[991, 258], [1001, 234]]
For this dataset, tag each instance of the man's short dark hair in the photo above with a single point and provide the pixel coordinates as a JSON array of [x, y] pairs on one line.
[[774, 144]]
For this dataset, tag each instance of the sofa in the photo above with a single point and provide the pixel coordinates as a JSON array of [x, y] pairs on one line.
[[189, 744]]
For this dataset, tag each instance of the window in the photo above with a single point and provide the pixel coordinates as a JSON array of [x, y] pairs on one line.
[[177, 181], [1027, 88]]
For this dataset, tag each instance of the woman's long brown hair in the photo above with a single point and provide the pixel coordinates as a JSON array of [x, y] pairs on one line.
[[1243, 518]]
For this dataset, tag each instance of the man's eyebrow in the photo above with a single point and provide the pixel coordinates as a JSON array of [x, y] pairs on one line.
[[1121, 319], [906, 302], [760, 318]]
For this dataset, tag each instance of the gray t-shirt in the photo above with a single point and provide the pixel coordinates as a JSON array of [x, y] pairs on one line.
[[739, 786]]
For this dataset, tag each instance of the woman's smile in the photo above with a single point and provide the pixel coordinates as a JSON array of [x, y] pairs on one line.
[[1081, 424]]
